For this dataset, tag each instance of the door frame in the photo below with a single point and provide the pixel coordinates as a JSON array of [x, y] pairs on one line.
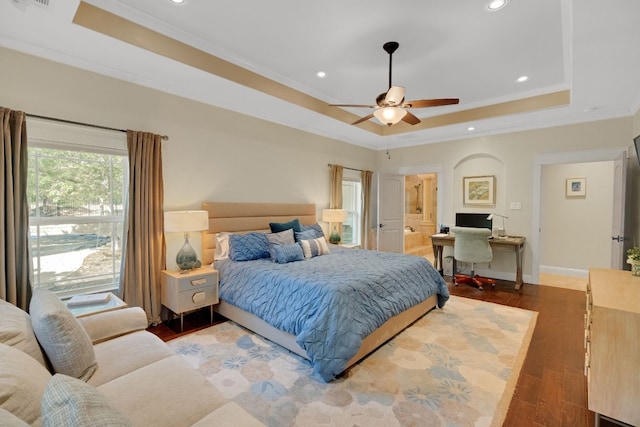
[[434, 169], [540, 160]]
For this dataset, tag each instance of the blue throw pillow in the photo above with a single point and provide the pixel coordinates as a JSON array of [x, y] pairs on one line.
[[277, 227], [288, 253], [247, 247], [316, 229], [306, 235]]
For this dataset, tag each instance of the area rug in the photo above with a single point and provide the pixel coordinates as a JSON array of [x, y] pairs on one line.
[[453, 367]]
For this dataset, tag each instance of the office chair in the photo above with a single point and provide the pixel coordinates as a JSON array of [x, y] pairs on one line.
[[472, 246]]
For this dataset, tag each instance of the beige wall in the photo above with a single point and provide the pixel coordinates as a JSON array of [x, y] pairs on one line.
[[564, 220], [212, 154]]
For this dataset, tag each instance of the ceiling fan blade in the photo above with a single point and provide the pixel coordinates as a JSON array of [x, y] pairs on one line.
[[353, 105], [411, 119], [363, 119], [421, 103], [394, 96]]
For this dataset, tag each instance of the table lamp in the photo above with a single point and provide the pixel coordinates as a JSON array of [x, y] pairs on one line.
[[502, 232], [185, 222], [334, 216]]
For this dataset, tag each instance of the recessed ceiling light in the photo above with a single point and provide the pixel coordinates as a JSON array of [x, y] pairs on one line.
[[180, 2], [321, 74], [470, 128], [494, 5], [522, 79]]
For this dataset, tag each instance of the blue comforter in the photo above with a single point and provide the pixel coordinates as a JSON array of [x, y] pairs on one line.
[[330, 302]]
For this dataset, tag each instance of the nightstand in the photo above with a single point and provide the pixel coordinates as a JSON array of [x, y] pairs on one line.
[[184, 292]]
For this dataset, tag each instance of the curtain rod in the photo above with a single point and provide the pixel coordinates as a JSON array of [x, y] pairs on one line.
[[351, 169], [71, 122]]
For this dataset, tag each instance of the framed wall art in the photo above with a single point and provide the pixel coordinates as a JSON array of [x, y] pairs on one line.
[[479, 190], [576, 187]]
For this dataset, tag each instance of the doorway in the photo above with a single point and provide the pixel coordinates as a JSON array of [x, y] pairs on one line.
[[618, 157], [420, 213]]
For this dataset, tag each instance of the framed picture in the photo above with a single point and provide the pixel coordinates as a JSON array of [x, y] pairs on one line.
[[576, 187], [479, 190]]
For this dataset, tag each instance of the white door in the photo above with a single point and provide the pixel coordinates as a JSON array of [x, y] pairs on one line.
[[618, 254], [391, 213]]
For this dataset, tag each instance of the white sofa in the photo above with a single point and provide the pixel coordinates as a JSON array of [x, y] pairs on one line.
[[59, 370]]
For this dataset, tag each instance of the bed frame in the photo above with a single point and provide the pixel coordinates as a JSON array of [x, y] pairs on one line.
[[245, 217]]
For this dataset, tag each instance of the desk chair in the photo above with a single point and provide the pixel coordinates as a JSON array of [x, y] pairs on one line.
[[472, 246]]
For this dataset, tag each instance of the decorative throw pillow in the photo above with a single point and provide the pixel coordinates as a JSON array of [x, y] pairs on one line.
[[65, 342], [247, 247], [17, 332], [287, 253], [222, 246], [277, 227], [306, 235], [22, 384], [71, 402], [315, 227], [315, 247], [282, 238]]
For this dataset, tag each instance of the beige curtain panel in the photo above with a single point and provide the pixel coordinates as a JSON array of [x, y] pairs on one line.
[[336, 187], [145, 245], [15, 260], [366, 209]]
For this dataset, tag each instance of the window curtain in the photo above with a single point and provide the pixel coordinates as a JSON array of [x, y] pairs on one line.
[[336, 187], [15, 259], [145, 248], [366, 208]]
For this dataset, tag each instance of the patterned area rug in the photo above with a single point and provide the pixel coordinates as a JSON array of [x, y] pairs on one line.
[[453, 367]]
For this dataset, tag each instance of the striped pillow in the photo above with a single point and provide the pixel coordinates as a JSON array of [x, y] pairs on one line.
[[314, 247]]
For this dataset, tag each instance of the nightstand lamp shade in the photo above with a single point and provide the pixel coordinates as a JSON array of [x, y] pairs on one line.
[[334, 216], [185, 222]]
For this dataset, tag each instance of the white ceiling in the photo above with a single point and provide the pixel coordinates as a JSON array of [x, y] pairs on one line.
[[448, 49]]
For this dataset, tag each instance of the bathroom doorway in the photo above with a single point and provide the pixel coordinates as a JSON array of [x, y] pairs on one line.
[[420, 213]]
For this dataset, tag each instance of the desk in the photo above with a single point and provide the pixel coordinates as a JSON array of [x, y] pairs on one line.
[[439, 241]]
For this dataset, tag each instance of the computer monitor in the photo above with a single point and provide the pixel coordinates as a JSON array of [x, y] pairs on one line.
[[476, 220]]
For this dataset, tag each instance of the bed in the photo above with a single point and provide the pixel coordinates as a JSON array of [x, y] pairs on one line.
[[332, 309]]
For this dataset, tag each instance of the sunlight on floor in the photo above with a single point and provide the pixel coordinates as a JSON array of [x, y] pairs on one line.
[[566, 282]]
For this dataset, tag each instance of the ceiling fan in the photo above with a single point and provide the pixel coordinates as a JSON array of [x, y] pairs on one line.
[[391, 106]]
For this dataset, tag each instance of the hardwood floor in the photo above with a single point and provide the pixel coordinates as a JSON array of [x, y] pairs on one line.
[[551, 389]]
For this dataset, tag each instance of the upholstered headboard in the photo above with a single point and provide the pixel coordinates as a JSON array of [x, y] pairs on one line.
[[244, 217]]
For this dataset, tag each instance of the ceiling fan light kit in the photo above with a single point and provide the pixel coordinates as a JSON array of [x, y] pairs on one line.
[[389, 115], [390, 106]]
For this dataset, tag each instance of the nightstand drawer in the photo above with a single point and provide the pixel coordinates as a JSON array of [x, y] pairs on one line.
[[196, 298]]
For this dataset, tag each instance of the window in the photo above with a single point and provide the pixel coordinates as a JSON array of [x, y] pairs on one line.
[[352, 203], [76, 194]]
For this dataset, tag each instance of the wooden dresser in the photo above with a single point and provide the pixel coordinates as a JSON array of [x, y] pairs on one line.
[[612, 345]]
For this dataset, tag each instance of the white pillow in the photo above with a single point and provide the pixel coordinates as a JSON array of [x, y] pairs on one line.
[[71, 402], [22, 384], [63, 339], [222, 246]]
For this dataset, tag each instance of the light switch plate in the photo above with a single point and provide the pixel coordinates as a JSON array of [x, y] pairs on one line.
[[515, 206]]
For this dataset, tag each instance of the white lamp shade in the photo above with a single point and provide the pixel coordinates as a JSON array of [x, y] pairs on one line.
[[389, 115], [334, 215], [182, 221]]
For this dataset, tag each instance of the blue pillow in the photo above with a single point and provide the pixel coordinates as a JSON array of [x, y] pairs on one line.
[[315, 227], [306, 235], [288, 253], [247, 247], [277, 227]]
